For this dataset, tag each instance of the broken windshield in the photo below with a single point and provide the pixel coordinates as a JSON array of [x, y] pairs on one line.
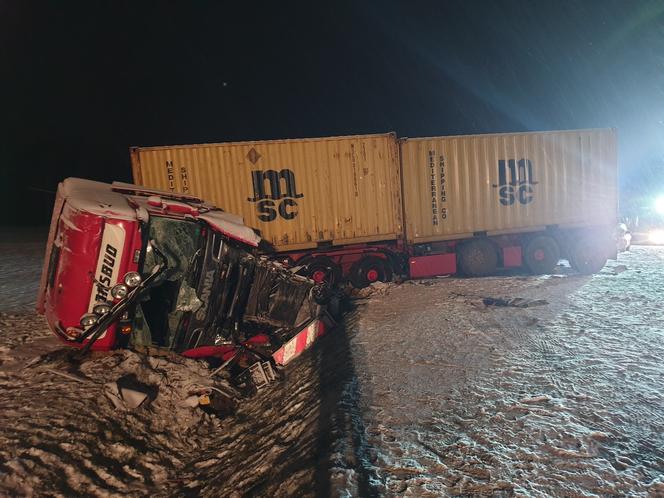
[[159, 314], [178, 240]]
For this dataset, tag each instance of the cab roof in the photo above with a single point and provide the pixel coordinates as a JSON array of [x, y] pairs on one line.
[[119, 201]]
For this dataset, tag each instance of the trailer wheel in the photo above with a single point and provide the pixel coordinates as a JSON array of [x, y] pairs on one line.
[[477, 258], [369, 270], [588, 256], [322, 269], [541, 254]]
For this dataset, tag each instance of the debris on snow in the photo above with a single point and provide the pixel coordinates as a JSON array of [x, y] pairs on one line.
[[656, 487], [374, 289], [516, 302], [619, 269], [599, 436], [68, 376], [190, 402], [129, 393], [124, 398], [536, 399]]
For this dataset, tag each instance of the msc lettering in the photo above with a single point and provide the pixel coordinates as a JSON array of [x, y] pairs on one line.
[[280, 200], [515, 181]]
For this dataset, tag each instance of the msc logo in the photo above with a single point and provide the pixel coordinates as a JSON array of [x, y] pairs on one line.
[[520, 185], [281, 197]]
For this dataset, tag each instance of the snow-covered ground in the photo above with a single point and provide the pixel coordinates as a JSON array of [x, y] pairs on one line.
[[558, 399], [427, 391]]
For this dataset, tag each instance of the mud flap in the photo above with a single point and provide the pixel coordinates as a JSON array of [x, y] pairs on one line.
[[303, 340]]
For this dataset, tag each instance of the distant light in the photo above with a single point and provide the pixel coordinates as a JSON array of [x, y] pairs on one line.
[[659, 205], [656, 236]]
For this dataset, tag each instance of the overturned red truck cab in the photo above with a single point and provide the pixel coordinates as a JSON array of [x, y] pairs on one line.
[[129, 266]]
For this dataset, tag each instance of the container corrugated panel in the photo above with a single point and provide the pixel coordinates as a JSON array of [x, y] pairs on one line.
[[454, 187], [298, 193]]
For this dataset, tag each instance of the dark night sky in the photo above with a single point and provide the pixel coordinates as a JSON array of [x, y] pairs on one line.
[[81, 82]]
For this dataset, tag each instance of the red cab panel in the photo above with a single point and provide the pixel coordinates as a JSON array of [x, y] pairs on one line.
[[90, 254]]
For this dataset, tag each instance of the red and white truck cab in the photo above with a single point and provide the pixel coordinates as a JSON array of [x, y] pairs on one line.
[[94, 239], [129, 265]]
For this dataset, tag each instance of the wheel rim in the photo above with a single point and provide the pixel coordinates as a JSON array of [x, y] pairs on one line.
[[319, 276], [539, 255], [372, 275]]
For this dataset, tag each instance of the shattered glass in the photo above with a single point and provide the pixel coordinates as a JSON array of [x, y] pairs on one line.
[[214, 291], [177, 239], [187, 299], [167, 302]]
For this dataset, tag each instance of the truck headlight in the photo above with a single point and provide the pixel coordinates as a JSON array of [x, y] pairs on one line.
[[656, 237], [88, 320], [132, 279], [659, 204], [101, 309], [119, 291]]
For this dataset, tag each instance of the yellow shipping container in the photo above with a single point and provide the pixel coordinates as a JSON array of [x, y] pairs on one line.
[[454, 187], [299, 193]]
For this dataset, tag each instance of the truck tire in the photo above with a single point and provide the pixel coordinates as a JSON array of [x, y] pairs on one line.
[[541, 254], [370, 269], [477, 258], [322, 269], [587, 255]]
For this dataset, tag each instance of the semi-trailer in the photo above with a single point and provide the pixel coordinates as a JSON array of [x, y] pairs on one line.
[[367, 207]]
